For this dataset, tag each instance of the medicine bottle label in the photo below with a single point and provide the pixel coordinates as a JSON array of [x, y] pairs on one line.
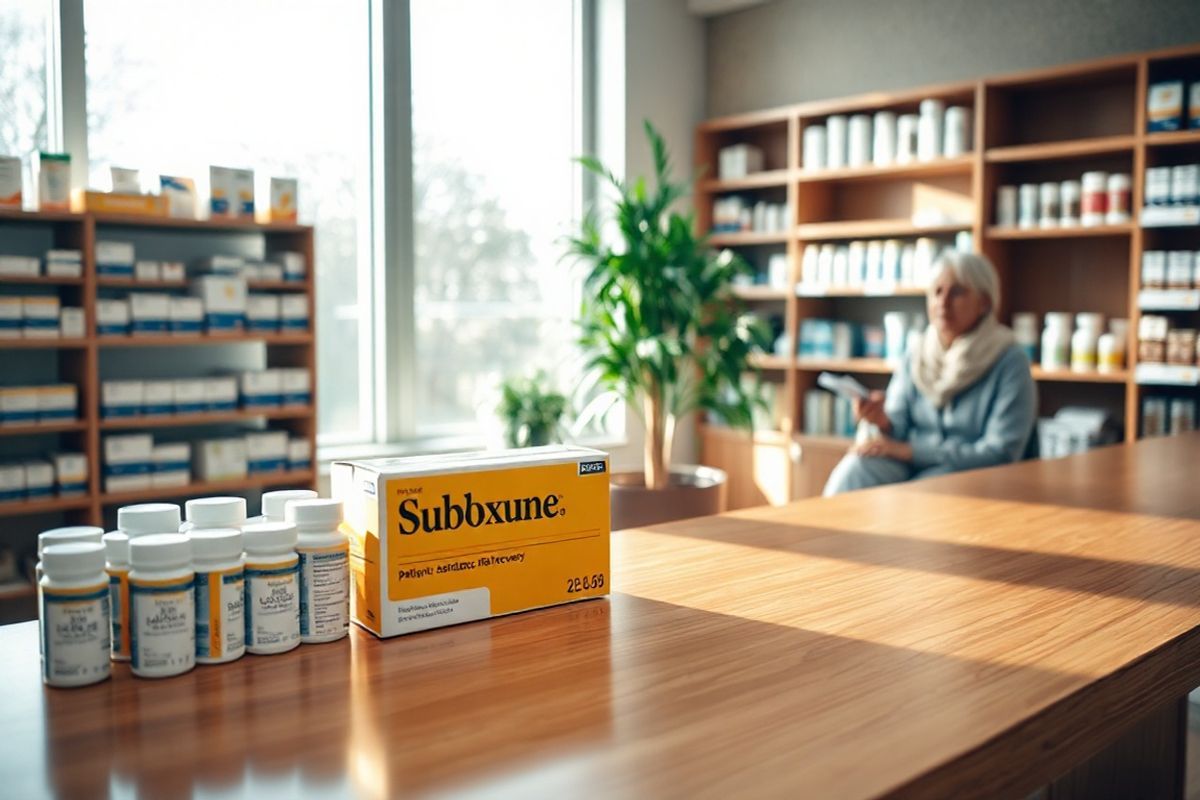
[[325, 591], [220, 601], [162, 625], [75, 634], [118, 601], [272, 605]]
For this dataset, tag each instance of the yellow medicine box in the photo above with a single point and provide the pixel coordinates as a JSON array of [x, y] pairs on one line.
[[439, 540]]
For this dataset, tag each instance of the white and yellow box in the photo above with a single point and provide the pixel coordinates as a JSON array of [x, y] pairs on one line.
[[12, 482], [148, 313], [441, 540], [112, 317], [224, 300], [40, 314], [71, 473], [18, 405], [71, 322], [19, 266], [11, 189], [64, 263], [57, 403], [283, 199], [220, 459], [39, 479], [128, 461], [11, 317]]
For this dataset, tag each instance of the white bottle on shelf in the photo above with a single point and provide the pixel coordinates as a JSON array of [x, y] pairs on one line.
[[929, 130]]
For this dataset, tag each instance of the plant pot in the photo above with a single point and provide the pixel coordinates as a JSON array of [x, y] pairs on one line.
[[693, 491]]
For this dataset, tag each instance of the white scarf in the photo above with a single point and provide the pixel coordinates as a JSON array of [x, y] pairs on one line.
[[941, 373]]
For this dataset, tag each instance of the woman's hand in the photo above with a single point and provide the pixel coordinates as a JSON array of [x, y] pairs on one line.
[[884, 447], [871, 410]]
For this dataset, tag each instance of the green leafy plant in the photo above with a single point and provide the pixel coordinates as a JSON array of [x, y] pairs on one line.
[[532, 411], [659, 319]]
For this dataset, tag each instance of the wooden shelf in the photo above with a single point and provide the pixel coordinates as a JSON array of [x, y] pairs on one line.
[[871, 366], [251, 226], [827, 442], [760, 292], [1076, 148], [816, 293], [134, 283], [746, 238], [278, 286], [771, 361], [40, 280], [36, 428], [48, 506], [769, 179], [1173, 138], [20, 215], [209, 488], [874, 228], [169, 340], [961, 165], [44, 344], [1067, 376], [186, 420], [17, 591], [1074, 232], [760, 437]]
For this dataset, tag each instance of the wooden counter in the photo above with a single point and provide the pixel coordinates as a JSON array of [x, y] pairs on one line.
[[975, 635]]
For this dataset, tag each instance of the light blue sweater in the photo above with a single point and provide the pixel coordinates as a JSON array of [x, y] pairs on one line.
[[988, 423]]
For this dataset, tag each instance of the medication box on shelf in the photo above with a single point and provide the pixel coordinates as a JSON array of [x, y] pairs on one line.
[[221, 394], [266, 451], [190, 396], [128, 460], [441, 540], [112, 317], [11, 317], [12, 193], [40, 317], [19, 266], [18, 405], [12, 482], [262, 313], [147, 271], [57, 403], [295, 386], [220, 459], [294, 267], [122, 398], [71, 323], [293, 313], [172, 464], [270, 271], [172, 271], [261, 389], [299, 454], [224, 301], [64, 263], [158, 397], [39, 479], [186, 316], [148, 313], [222, 265], [71, 473], [114, 259]]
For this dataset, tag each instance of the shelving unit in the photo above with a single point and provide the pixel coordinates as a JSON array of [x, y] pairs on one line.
[[86, 362], [1041, 125]]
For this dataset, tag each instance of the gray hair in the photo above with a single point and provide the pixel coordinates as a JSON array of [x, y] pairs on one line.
[[971, 270]]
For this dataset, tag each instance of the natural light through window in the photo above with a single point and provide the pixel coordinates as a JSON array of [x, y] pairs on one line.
[[23, 119]]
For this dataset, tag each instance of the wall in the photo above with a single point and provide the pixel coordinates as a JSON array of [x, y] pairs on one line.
[[789, 51]]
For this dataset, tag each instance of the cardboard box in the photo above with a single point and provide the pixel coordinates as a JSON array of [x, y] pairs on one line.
[[270, 271], [224, 301], [54, 181], [128, 460], [284, 199], [186, 316], [299, 454], [293, 264], [295, 386], [39, 479], [441, 540], [114, 259], [18, 405], [158, 397], [112, 317], [147, 271], [222, 265], [57, 403], [12, 318], [172, 271], [71, 473], [243, 193], [221, 394], [172, 465], [40, 317], [261, 388], [293, 313], [220, 459], [72, 323], [12, 482], [64, 263], [19, 266], [136, 205], [121, 398], [190, 396], [220, 191], [266, 451], [262, 313], [148, 313]]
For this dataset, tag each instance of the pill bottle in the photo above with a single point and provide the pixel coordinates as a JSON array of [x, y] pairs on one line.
[[1006, 206], [274, 503], [1027, 206], [1094, 200], [146, 518], [162, 606], [116, 552], [324, 554], [1068, 199], [1119, 189], [272, 605], [1048, 205], [71, 533], [214, 512], [1085, 341], [220, 594], [1056, 341], [1026, 333], [929, 130], [74, 614]]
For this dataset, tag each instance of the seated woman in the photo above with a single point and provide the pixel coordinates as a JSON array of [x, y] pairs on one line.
[[963, 399]]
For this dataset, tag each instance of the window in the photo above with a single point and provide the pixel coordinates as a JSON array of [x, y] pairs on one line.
[[173, 88], [495, 189], [23, 41]]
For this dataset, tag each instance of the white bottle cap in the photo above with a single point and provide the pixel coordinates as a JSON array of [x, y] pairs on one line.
[[160, 551], [116, 547], [321, 514], [274, 503], [73, 560], [146, 518], [216, 512], [215, 544], [270, 537], [73, 533]]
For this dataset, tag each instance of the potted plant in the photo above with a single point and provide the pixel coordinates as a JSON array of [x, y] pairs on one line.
[[532, 411], [663, 329]]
